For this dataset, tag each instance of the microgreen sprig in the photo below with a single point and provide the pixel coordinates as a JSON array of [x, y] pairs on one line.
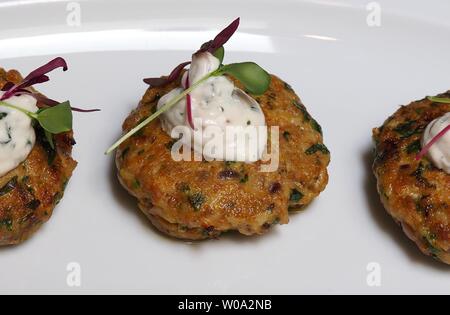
[[443, 100], [38, 76], [54, 117], [254, 78], [433, 141], [164, 108], [54, 120]]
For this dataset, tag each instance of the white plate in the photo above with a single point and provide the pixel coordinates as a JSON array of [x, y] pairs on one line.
[[350, 75]]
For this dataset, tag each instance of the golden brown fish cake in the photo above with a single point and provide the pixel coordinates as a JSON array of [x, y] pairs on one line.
[[415, 193], [199, 200], [30, 192]]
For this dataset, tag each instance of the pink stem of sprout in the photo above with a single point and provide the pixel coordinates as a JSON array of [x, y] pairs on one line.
[[431, 143], [189, 105]]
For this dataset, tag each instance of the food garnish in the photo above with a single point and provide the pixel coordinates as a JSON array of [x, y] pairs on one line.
[[53, 116], [439, 100], [427, 148], [255, 79]]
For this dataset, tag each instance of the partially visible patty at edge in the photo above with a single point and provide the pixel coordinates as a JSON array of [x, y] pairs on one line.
[[415, 193], [30, 192]]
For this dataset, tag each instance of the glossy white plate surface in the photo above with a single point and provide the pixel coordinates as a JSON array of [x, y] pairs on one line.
[[351, 76]]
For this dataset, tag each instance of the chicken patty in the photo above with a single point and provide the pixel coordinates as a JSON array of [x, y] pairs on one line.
[[415, 193], [200, 200], [30, 192]]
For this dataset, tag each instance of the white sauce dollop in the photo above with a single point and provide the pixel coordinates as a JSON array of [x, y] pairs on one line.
[[439, 153], [17, 136], [216, 105]]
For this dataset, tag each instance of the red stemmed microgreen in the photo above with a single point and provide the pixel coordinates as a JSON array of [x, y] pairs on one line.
[[158, 82], [214, 47], [54, 117], [36, 77], [428, 146], [45, 102], [255, 79], [431, 143], [221, 39], [189, 105]]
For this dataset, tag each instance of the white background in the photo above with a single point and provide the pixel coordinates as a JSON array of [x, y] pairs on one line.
[[351, 77]]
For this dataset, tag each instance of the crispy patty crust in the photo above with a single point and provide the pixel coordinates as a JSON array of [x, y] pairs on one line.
[[29, 193], [200, 200], [415, 193]]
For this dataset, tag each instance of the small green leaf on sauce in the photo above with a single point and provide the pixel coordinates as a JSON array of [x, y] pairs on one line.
[[57, 119], [318, 147], [255, 79]]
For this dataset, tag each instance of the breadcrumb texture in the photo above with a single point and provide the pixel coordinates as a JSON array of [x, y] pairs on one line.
[[415, 193], [201, 200], [29, 193]]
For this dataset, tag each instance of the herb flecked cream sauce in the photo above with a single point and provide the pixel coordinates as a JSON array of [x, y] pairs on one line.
[[17, 136], [217, 104], [439, 153]]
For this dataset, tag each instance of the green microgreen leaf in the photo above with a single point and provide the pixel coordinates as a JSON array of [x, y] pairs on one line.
[[255, 79], [220, 54], [439, 100], [56, 119], [53, 120]]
